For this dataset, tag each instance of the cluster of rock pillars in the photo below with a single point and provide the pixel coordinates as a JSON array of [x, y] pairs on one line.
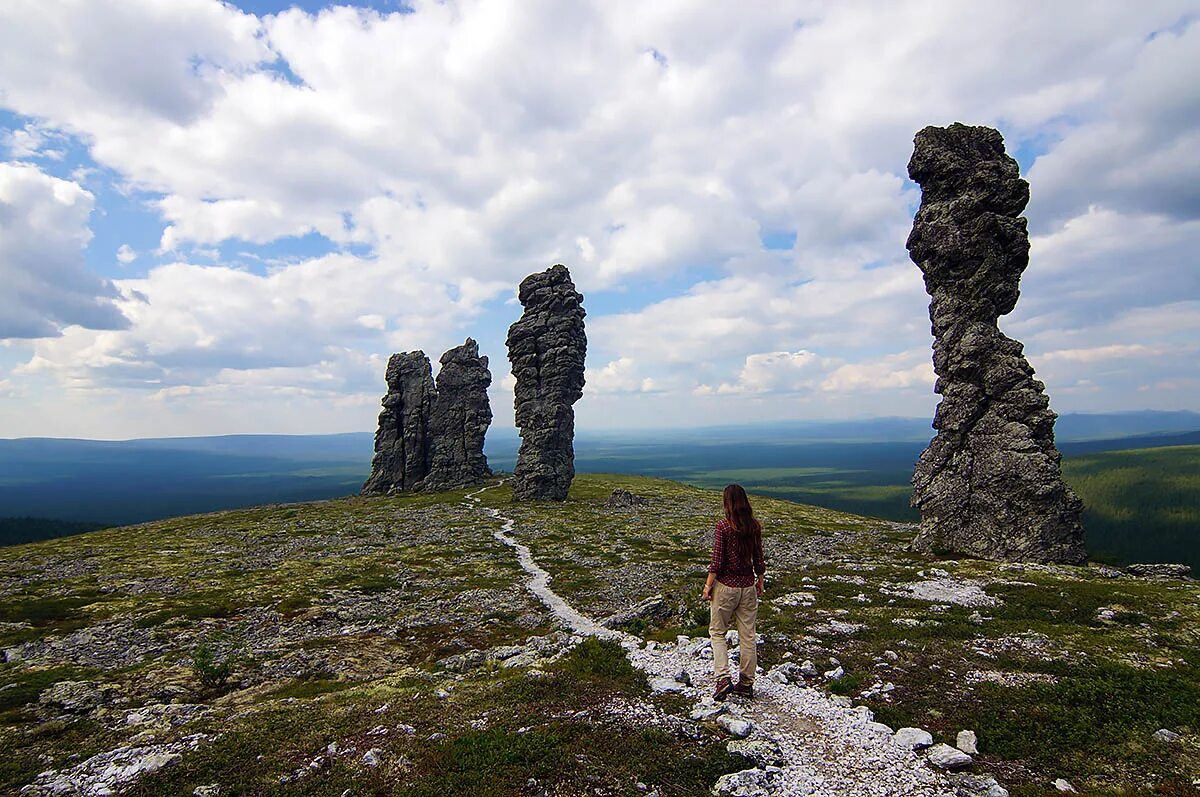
[[989, 484]]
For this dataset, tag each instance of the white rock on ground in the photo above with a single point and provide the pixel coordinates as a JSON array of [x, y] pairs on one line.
[[764, 752], [748, 783], [967, 742], [660, 685], [105, 773], [735, 726], [1064, 785], [913, 738], [1165, 735], [944, 756]]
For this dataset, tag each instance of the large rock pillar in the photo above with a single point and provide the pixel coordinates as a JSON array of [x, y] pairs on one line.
[[989, 484]]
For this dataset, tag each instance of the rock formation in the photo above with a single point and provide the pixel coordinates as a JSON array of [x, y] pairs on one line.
[[989, 484], [403, 444], [430, 437], [461, 416], [546, 347]]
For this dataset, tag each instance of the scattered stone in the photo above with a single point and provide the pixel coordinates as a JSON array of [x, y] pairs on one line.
[[1165, 735], [967, 742], [403, 442], [211, 790], [546, 347], [808, 669], [961, 592], [764, 752], [373, 757], [707, 711], [990, 483], [943, 756], [73, 697], [735, 726], [795, 599], [969, 785], [913, 738], [1159, 570], [652, 608], [879, 727], [623, 499], [788, 672], [1064, 785], [666, 686], [747, 783], [835, 674], [459, 420], [105, 773]]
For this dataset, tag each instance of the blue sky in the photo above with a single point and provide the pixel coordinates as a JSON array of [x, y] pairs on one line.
[[220, 218]]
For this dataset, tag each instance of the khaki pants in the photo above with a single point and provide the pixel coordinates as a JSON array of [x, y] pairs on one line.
[[739, 604]]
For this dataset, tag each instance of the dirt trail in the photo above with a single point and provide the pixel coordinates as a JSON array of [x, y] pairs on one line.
[[825, 749]]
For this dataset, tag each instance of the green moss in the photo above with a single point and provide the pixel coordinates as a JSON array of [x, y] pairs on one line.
[[24, 686]]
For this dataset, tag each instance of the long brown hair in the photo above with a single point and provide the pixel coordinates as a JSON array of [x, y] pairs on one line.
[[747, 529]]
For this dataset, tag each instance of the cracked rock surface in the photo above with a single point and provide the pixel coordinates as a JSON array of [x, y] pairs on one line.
[[989, 484], [403, 444], [547, 346], [460, 419]]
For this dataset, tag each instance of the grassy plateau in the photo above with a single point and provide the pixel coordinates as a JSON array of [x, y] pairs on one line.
[[288, 642]]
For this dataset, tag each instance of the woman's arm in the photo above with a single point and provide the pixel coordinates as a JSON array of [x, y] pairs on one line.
[[760, 567], [718, 554]]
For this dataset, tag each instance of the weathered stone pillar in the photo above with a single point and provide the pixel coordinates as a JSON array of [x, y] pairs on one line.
[[989, 484]]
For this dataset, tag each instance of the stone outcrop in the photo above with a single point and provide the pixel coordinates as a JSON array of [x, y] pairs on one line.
[[989, 484], [546, 347], [460, 419], [430, 436], [403, 444]]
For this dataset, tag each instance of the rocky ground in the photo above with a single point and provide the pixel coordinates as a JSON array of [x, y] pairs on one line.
[[391, 646]]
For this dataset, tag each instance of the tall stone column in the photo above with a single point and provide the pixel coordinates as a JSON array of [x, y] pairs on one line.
[[460, 419], [546, 347], [403, 443], [989, 484]]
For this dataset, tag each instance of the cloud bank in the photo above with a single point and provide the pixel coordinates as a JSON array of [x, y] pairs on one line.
[[317, 190]]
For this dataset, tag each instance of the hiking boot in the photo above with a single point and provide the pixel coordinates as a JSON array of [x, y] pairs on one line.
[[743, 689], [724, 687]]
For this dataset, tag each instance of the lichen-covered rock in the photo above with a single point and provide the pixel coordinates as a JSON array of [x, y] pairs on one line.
[[546, 347], [73, 697], [989, 484], [460, 419], [1159, 570], [403, 443], [624, 499]]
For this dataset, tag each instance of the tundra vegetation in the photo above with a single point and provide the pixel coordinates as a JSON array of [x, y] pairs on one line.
[[388, 643]]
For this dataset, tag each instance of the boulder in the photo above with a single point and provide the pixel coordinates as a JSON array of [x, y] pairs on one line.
[[943, 756], [913, 738], [966, 741]]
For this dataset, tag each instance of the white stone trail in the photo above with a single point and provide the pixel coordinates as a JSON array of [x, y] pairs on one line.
[[827, 749]]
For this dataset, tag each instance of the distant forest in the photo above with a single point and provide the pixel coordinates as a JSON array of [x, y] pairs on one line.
[[1138, 473], [16, 530]]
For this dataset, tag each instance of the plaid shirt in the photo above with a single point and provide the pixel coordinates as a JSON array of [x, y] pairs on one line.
[[728, 565]]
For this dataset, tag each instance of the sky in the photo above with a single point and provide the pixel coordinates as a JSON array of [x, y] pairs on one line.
[[223, 218]]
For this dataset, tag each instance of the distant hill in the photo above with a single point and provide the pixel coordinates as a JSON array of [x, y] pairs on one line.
[[861, 466]]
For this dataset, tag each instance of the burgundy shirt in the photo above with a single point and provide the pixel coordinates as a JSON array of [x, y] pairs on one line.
[[731, 570]]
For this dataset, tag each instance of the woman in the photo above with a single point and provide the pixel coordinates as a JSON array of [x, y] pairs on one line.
[[735, 583]]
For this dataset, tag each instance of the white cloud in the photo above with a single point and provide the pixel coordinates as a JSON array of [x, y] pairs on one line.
[[456, 148], [618, 376], [125, 254], [43, 230]]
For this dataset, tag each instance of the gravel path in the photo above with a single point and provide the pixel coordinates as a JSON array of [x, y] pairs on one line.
[[824, 749]]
